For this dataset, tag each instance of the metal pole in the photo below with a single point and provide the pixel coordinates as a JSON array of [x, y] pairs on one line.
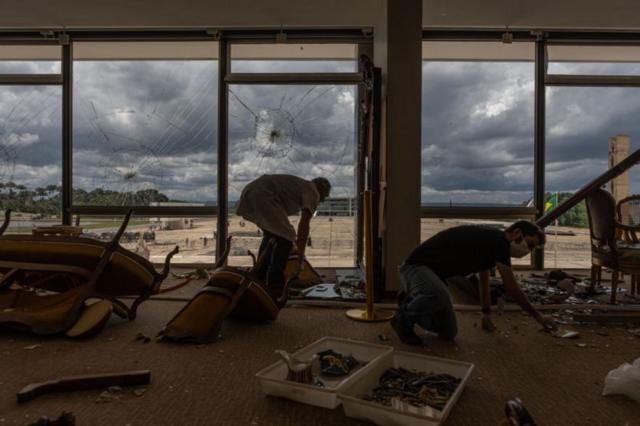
[[67, 132], [223, 141], [539, 142]]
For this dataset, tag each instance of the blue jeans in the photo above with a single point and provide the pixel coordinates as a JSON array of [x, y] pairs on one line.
[[427, 302]]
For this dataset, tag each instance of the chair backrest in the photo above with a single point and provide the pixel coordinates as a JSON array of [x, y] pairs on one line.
[[628, 210], [601, 209]]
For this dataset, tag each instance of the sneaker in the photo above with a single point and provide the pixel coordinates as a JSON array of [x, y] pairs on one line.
[[406, 335]]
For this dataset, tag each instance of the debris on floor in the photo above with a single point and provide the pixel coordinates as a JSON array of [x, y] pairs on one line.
[[95, 381], [142, 338], [113, 393], [624, 380], [565, 334], [64, 419], [31, 347]]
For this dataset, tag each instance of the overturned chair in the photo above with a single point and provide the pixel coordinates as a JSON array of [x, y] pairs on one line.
[[47, 280], [230, 292]]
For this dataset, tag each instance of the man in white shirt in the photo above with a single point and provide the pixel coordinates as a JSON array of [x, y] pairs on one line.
[[267, 202]]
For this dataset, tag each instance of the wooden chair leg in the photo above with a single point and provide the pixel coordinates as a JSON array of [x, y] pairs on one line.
[[594, 278], [634, 284], [614, 286]]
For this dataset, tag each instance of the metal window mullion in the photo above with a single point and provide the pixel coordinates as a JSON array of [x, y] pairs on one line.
[[149, 211], [223, 145], [67, 132], [293, 78], [592, 80], [31, 79], [537, 258]]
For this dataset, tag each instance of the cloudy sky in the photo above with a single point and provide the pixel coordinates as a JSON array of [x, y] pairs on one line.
[[152, 124]]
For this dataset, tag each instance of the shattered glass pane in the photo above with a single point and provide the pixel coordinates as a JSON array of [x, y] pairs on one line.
[[31, 155], [303, 130], [145, 132]]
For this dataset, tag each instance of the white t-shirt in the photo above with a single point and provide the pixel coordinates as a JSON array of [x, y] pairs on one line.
[[268, 200]]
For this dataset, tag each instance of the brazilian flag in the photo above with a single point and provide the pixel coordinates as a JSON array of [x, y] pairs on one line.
[[551, 203]]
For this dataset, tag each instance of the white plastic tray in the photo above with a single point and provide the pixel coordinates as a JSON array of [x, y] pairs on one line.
[[379, 414], [273, 378]]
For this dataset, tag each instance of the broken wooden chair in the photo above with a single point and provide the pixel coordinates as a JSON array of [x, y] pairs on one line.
[[47, 280], [607, 250], [230, 292]]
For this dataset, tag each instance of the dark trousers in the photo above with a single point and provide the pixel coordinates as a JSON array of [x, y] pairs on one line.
[[272, 269]]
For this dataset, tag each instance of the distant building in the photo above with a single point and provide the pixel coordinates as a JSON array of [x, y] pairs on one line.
[[339, 206], [171, 223]]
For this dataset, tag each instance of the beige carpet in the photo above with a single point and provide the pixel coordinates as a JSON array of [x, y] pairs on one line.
[[559, 382]]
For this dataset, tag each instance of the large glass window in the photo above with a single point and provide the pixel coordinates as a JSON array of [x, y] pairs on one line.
[[477, 125], [30, 155], [594, 60], [21, 59], [154, 237], [293, 58], [304, 130], [581, 125], [145, 123]]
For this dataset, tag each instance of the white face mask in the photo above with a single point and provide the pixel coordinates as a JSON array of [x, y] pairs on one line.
[[519, 249]]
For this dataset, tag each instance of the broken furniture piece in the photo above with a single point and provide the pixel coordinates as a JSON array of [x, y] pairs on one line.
[[607, 251], [76, 383], [47, 279], [230, 291]]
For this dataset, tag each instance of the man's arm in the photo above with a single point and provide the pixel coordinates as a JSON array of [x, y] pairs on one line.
[[485, 302], [513, 289], [303, 232]]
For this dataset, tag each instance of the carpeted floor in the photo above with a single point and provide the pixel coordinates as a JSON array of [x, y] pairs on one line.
[[214, 384]]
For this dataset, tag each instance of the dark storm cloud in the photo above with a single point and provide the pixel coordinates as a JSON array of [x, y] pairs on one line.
[[478, 131], [156, 122]]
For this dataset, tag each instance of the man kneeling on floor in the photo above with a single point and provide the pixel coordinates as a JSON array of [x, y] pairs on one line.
[[461, 251]]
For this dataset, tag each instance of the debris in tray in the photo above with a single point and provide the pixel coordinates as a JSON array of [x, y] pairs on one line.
[[299, 371], [335, 364], [400, 387]]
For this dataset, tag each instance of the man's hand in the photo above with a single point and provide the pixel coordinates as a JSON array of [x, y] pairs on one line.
[[546, 321], [487, 324]]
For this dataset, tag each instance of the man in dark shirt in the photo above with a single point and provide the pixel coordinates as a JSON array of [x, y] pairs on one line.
[[460, 251]]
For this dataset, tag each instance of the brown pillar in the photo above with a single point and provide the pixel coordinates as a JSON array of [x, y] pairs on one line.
[[403, 128]]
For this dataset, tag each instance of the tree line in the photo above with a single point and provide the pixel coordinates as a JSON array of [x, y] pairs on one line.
[[47, 201]]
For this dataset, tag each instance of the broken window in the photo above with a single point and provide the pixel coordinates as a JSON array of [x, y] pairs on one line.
[[304, 130], [145, 128], [31, 155]]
